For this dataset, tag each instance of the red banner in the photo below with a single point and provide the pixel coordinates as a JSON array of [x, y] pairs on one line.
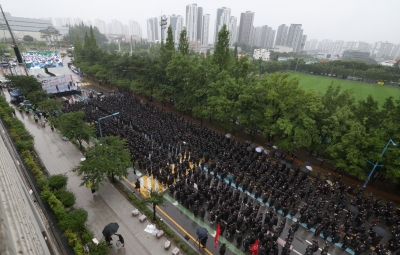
[[217, 233], [254, 248]]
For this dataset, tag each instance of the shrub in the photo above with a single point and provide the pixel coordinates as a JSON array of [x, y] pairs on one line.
[[74, 220], [58, 181], [99, 249], [24, 145], [57, 207], [66, 197], [87, 235]]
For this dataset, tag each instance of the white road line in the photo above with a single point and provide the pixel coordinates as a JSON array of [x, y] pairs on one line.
[[318, 248], [297, 252]]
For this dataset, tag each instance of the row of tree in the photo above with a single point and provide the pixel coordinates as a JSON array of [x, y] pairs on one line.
[[222, 88]]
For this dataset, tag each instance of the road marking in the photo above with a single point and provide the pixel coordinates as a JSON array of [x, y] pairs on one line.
[[183, 230], [318, 248], [297, 252]]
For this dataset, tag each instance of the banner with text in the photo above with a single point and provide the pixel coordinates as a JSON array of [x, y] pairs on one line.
[[56, 84]]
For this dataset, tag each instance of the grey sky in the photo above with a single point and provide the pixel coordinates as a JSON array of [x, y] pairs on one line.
[[348, 20]]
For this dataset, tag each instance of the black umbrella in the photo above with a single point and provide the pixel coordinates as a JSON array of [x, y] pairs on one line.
[[253, 145], [288, 165], [248, 141], [304, 170], [353, 209], [202, 233], [269, 144], [380, 231], [307, 163], [249, 148], [278, 154], [110, 229], [283, 162]]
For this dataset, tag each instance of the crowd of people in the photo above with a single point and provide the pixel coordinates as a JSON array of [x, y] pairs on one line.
[[230, 184]]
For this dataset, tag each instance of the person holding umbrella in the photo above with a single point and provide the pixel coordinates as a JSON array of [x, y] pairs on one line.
[[121, 240]]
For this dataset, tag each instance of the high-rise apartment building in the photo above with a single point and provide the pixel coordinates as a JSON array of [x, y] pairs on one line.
[[191, 21], [117, 27], [199, 23], [294, 37], [245, 27], [300, 46], [101, 25], [57, 22], [255, 39], [152, 29], [281, 35], [206, 28], [270, 38], [232, 30], [312, 45], [223, 18], [134, 28], [176, 22]]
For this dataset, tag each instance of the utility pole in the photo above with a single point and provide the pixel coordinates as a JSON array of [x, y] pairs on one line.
[[163, 25], [14, 45]]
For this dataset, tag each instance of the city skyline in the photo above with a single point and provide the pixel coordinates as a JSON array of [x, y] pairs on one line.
[[339, 20]]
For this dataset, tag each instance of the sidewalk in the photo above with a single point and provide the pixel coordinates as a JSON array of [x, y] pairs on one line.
[[109, 206]]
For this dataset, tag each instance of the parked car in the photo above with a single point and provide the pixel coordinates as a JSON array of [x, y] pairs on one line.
[[16, 97], [26, 103]]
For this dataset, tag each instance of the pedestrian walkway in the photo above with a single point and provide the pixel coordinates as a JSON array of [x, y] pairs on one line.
[[60, 157]]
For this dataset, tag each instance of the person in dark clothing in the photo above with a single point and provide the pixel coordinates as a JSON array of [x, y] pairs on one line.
[[121, 239], [222, 250]]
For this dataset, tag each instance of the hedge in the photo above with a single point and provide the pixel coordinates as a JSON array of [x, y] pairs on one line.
[[24, 142]]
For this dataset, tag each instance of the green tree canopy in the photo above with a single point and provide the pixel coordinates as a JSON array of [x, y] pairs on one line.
[[155, 198], [73, 127], [109, 156], [25, 84]]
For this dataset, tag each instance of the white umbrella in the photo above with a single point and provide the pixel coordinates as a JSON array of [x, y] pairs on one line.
[[309, 168], [259, 150], [275, 147]]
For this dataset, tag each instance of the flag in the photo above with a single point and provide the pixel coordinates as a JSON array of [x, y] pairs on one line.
[[217, 233], [254, 248]]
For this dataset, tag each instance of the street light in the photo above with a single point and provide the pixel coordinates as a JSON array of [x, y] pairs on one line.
[[99, 119], [377, 163]]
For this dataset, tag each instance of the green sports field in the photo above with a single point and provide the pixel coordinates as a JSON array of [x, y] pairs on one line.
[[361, 90]]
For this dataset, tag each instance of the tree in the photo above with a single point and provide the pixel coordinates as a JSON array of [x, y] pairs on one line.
[[222, 56], [49, 33], [178, 72], [25, 84], [155, 198], [109, 156], [28, 38], [38, 96], [222, 97], [78, 48], [169, 42], [183, 43], [73, 127], [50, 105]]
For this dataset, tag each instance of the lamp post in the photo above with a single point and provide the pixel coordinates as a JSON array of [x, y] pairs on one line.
[[99, 119], [377, 163]]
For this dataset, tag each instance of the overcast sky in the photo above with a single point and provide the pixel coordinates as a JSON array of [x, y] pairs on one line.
[[348, 20]]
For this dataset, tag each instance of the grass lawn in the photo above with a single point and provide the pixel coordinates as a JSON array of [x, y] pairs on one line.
[[361, 89]]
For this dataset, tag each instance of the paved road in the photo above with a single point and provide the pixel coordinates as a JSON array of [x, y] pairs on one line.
[[109, 205]]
